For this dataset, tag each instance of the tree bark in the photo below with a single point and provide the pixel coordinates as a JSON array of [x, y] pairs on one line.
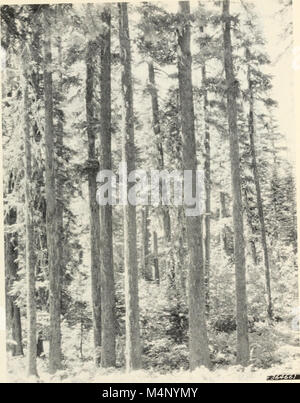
[[227, 233], [198, 341], [146, 267], [108, 358], [51, 217], [60, 181], [251, 225], [11, 268], [224, 211], [207, 179], [239, 243], [13, 311], [29, 246], [36, 79], [40, 346], [133, 342], [180, 273], [155, 259], [258, 194], [93, 205]]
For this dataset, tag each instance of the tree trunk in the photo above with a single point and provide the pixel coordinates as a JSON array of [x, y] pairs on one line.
[[180, 277], [108, 358], [81, 339], [13, 311], [224, 211], [146, 267], [40, 346], [36, 79], [227, 234], [198, 341], [13, 315], [155, 259], [158, 139], [60, 181], [251, 225], [51, 218], [11, 268], [239, 243], [207, 187], [93, 205], [258, 194], [133, 343], [29, 246]]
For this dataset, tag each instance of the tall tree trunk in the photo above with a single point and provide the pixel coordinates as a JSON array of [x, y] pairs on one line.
[[13, 314], [179, 237], [207, 175], [251, 225], [198, 341], [159, 145], [155, 259], [81, 339], [40, 345], [274, 187], [239, 243], [224, 212], [181, 275], [227, 233], [36, 79], [13, 311], [29, 248], [146, 267], [93, 205], [60, 181], [108, 358], [51, 218], [258, 194], [11, 272], [133, 342]]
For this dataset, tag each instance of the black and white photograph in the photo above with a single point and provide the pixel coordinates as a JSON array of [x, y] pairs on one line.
[[149, 194]]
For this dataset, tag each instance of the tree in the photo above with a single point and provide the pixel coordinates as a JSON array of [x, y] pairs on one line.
[[59, 144], [239, 243], [155, 258], [251, 223], [154, 23], [133, 343], [51, 219], [258, 190], [146, 264], [11, 238], [93, 205], [30, 256], [108, 358], [11, 268], [207, 174], [198, 341], [158, 140]]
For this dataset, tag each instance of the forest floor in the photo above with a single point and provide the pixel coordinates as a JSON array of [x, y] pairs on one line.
[[287, 356]]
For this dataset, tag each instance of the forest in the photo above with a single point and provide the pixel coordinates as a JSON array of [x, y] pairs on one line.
[[104, 291]]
